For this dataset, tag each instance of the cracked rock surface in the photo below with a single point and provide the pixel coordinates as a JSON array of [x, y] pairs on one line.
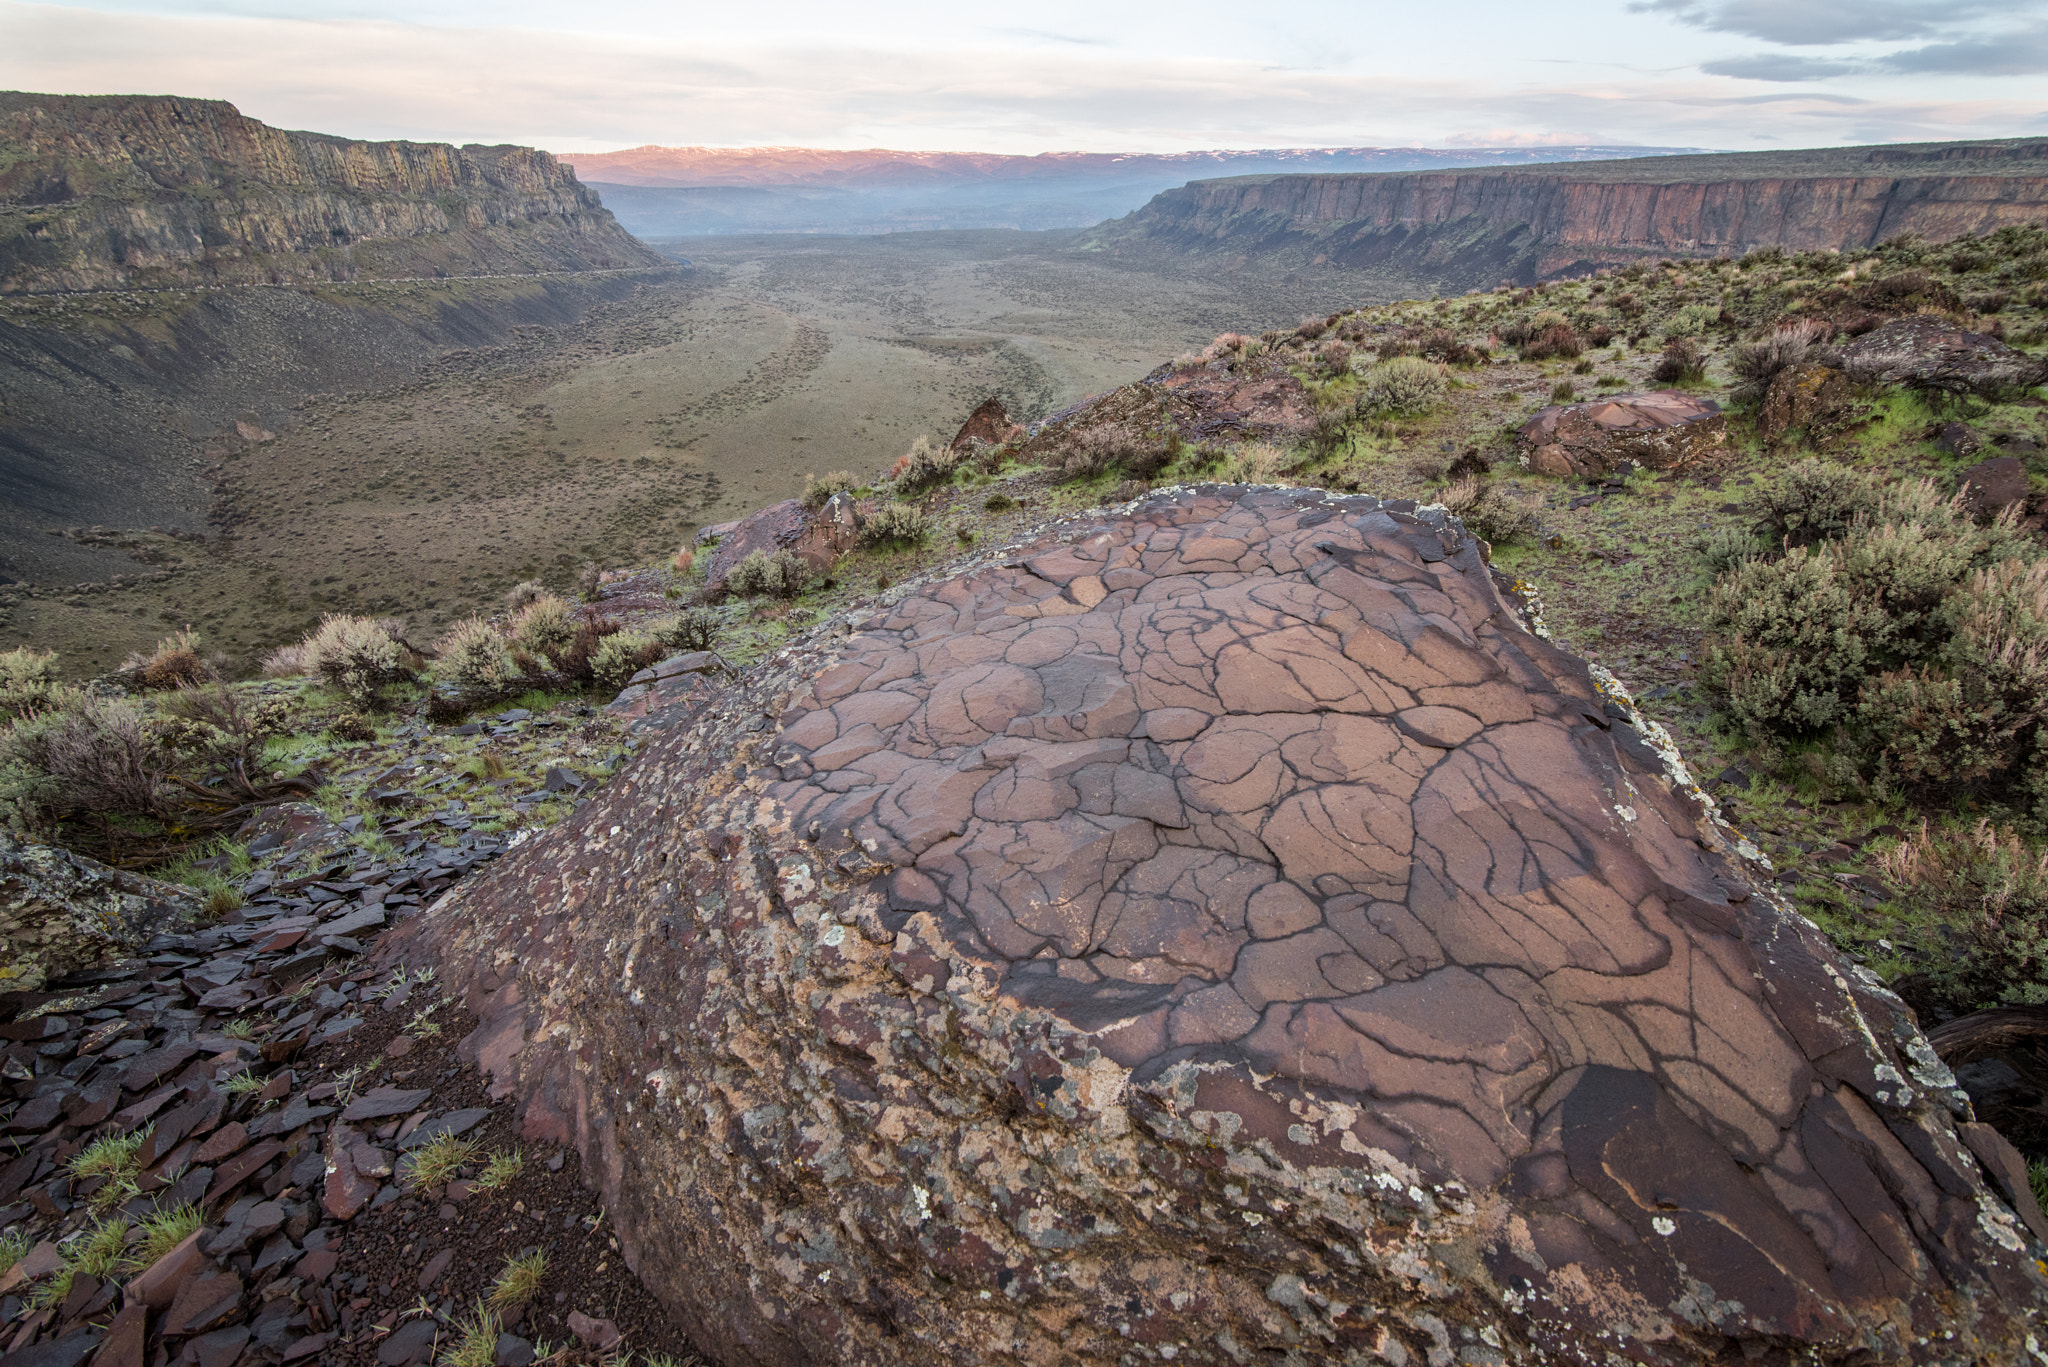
[[1221, 932]]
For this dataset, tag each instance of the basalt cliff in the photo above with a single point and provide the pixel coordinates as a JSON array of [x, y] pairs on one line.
[[1476, 227], [118, 191]]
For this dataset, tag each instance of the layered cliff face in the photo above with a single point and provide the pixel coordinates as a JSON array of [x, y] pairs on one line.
[[108, 192], [1528, 222]]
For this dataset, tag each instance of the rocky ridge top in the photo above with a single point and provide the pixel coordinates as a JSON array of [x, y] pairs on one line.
[[105, 192]]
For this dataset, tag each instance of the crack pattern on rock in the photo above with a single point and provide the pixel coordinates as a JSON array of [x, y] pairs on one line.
[[1221, 928]]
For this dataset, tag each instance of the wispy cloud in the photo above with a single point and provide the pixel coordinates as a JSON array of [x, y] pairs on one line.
[[1040, 35], [1779, 66], [1806, 23], [2018, 52], [595, 91]]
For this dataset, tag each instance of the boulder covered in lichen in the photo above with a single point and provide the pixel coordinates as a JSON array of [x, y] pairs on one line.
[[1663, 430], [1223, 932], [62, 913]]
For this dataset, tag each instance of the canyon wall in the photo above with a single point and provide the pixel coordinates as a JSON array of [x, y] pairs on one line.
[[1531, 222], [113, 192]]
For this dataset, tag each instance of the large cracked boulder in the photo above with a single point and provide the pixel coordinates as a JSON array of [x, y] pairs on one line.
[[1223, 934], [1663, 430], [62, 913], [1928, 352]]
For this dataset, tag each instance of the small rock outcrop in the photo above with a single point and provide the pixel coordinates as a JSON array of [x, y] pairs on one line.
[[1662, 430], [61, 913], [1991, 486], [816, 539], [1807, 396], [1222, 933], [1927, 352], [989, 423]]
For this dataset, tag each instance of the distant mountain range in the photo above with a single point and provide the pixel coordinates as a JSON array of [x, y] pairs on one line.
[[696, 191]]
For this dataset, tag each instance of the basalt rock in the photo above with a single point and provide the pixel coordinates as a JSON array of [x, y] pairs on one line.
[[989, 423], [1991, 486], [786, 526], [61, 912], [1221, 934], [1927, 352], [1662, 430], [1811, 397]]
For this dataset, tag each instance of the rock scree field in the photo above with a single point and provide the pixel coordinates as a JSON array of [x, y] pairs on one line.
[[1493, 829]]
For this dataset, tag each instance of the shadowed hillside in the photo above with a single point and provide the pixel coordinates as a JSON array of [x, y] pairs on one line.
[[114, 191]]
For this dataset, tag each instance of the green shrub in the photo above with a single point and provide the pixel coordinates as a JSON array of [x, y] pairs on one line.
[[1794, 638], [473, 657], [357, 656], [1726, 547], [622, 655], [1405, 384], [29, 682], [1983, 895], [1756, 364], [97, 759], [545, 627], [1692, 320], [896, 524], [1817, 500], [175, 663], [1489, 514], [524, 592], [780, 575], [1905, 634], [1681, 362], [923, 466], [1974, 710], [693, 630], [818, 490], [1114, 446]]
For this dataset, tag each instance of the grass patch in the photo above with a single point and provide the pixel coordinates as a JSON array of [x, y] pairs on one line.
[[111, 1157], [519, 1284], [14, 1246], [476, 1340], [500, 1170], [162, 1232], [96, 1252], [438, 1162]]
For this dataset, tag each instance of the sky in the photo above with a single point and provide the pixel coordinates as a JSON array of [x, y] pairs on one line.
[[1067, 75]]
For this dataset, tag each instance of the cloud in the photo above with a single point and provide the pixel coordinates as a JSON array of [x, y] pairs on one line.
[[1046, 36], [592, 92], [2023, 52], [1779, 66], [1814, 23]]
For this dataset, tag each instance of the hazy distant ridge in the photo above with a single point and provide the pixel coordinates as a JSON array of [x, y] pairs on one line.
[[693, 191]]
